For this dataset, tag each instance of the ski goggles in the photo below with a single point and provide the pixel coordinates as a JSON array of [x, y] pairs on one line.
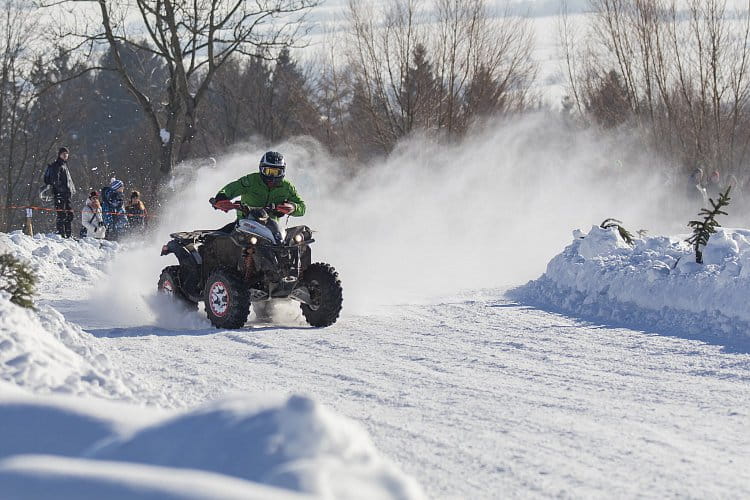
[[272, 171]]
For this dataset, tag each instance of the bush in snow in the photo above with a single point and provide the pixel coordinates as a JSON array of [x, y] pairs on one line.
[[703, 229], [18, 279]]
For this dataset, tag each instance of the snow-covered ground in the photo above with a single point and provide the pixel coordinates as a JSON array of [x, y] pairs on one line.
[[479, 395], [73, 424]]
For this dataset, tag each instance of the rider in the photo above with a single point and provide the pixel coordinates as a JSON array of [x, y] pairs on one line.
[[266, 188]]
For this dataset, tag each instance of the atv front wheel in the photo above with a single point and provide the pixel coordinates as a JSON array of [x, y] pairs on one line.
[[169, 284], [227, 299], [323, 284]]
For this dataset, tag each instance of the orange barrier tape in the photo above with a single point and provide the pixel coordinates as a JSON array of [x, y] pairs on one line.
[[45, 209]]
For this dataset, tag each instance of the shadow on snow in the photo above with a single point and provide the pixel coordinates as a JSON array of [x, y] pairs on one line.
[[680, 324], [146, 331]]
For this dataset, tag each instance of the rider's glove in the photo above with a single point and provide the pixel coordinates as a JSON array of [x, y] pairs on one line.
[[219, 197], [225, 205], [286, 208]]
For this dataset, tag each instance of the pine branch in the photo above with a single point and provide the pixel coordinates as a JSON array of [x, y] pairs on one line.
[[626, 235], [703, 229]]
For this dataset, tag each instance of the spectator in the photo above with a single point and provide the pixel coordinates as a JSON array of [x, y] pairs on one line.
[[695, 190], [92, 222], [58, 177], [115, 218], [136, 211], [713, 186], [736, 193]]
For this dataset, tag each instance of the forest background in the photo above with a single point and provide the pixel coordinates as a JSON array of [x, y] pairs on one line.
[[141, 89]]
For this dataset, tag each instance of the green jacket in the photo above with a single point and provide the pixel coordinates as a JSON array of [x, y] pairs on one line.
[[254, 193]]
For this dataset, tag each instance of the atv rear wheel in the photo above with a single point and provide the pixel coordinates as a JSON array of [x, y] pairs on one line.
[[169, 284], [326, 296], [227, 299]]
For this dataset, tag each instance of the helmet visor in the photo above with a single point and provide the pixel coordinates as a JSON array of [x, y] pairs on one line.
[[272, 171]]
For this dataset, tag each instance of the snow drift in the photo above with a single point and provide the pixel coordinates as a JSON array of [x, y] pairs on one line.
[[60, 262], [40, 350], [238, 447], [43, 353], [655, 283]]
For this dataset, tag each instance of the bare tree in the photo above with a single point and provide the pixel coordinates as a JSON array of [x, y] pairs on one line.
[[418, 70], [682, 68], [194, 39], [485, 62], [17, 95]]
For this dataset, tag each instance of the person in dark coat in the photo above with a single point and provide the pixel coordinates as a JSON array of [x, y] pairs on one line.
[[136, 211], [58, 177]]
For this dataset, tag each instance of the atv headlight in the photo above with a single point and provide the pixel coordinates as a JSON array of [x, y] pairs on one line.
[[298, 238], [253, 240]]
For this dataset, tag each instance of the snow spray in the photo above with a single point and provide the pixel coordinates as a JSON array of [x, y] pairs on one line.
[[434, 218]]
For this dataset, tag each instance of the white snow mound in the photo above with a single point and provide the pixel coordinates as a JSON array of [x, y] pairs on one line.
[[59, 261], [655, 283], [224, 449], [43, 353]]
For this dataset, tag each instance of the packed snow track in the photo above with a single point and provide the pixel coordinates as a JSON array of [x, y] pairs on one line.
[[487, 398]]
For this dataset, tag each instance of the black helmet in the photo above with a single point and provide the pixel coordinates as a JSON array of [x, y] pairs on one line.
[[272, 168]]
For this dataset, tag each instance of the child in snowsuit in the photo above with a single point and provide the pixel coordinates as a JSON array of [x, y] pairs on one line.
[[92, 223], [114, 209]]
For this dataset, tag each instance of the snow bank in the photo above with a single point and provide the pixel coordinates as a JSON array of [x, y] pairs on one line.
[[59, 260], [224, 449], [654, 283], [43, 353]]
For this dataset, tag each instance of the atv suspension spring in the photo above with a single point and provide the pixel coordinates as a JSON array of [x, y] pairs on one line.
[[248, 266]]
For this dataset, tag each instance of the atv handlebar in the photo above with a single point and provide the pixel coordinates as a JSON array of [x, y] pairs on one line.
[[242, 207], [229, 206]]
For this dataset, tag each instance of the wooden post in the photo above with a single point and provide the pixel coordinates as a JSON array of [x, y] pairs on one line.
[[28, 228]]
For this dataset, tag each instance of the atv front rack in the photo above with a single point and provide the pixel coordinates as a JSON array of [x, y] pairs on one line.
[[185, 237]]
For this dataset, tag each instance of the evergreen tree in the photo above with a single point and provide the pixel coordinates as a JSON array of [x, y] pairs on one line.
[[483, 94], [366, 119], [703, 229], [420, 93], [292, 111], [18, 279]]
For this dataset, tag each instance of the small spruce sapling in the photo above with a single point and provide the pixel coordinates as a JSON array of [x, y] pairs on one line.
[[703, 229], [18, 279], [626, 236]]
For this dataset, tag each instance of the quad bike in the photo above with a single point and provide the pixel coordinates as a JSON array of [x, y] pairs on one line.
[[249, 262]]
